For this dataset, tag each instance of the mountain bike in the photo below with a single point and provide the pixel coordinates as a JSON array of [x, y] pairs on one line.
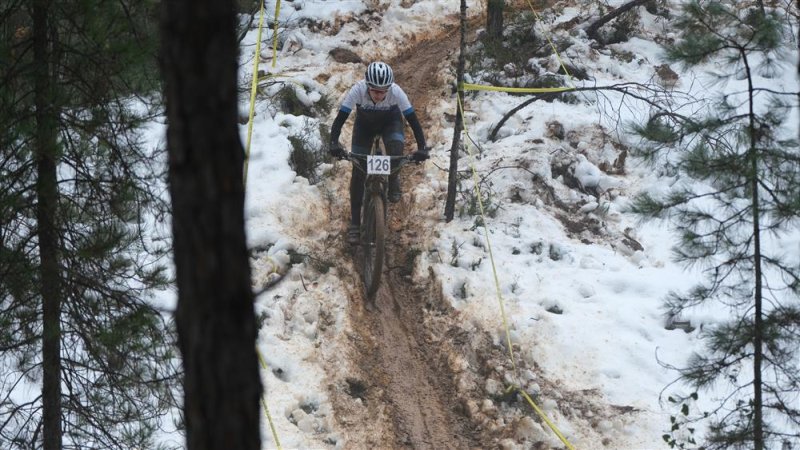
[[377, 166]]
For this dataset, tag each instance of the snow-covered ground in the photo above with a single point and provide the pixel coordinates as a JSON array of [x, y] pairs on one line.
[[584, 306]]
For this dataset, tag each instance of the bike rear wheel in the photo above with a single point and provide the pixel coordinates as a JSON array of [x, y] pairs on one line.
[[373, 244]]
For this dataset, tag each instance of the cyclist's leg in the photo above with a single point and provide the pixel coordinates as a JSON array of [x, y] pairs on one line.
[[393, 141], [356, 194], [361, 143]]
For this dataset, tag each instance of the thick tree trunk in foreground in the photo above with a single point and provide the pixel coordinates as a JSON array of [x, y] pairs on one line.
[[215, 315]]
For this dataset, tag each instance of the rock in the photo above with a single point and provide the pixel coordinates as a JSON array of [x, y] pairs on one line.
[[511, 70], [493, 387], [298, 415], [508, 444], [472, 409], [343, 55], [488, 407], [555, 130], [307, 425], [667, 77], [527, 429]]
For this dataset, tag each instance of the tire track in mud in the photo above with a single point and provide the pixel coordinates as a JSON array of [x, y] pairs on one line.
[[422, 392], [400, 373]]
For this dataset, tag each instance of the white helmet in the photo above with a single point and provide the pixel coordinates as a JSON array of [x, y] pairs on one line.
[[379, 75]]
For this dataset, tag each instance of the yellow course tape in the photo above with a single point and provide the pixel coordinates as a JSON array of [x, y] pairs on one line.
[[498, 290], [488, 244], [553, 46], [256, 78], [546, 420], [264, 404], [275, 34], [267, 76], [483, 87], [253, 90]]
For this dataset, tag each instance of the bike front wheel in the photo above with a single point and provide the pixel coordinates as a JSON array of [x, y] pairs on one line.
[[373, 244]]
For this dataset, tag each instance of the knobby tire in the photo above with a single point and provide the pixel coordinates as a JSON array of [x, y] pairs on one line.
[[374, 244]]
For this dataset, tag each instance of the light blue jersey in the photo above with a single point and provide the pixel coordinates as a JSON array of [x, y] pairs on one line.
[[359, 97]]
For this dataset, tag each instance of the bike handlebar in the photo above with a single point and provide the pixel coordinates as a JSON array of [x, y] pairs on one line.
[[350, 156], [356, 158], [360, 157]]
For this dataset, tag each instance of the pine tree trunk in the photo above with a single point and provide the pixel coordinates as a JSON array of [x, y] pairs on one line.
[[215, 315], [758, 326], [449, 207], [47, 202], [494, 19], [758, 332]]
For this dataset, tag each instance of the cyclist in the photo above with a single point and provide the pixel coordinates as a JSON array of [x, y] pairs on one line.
[[380, 106]]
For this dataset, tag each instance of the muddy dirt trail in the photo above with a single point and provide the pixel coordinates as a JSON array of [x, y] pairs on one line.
[[412, 373], [400, 370]]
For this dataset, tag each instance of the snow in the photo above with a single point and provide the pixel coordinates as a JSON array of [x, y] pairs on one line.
[[589, 315]]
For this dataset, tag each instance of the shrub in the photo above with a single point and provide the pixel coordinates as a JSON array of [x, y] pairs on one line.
[[289, 103], [308, 153]]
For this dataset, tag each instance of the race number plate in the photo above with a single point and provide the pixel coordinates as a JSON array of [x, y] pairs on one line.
[[379, 165]]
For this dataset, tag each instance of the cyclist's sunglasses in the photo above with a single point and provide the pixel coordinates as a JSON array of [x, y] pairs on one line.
[[375, 89]]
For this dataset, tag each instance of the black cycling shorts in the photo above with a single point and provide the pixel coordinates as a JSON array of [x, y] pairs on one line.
[[371, 123]]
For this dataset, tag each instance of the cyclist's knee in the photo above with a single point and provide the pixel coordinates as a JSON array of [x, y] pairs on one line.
[[394, 147], [360, 149]]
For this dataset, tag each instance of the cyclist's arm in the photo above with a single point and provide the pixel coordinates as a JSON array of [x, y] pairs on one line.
[[347, 106], [338, 122], [419, 136]]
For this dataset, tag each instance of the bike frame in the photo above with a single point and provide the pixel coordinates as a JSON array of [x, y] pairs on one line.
[[375, 184], [373, 214]]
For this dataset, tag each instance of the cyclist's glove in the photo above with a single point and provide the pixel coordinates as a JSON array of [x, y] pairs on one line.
[[420, 155], [336, 150]]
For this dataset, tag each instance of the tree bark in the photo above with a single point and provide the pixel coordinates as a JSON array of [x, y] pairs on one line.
[[592, 30], [449, 208], [215, 315], [494, 19], [46, 153], [758, 322]]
